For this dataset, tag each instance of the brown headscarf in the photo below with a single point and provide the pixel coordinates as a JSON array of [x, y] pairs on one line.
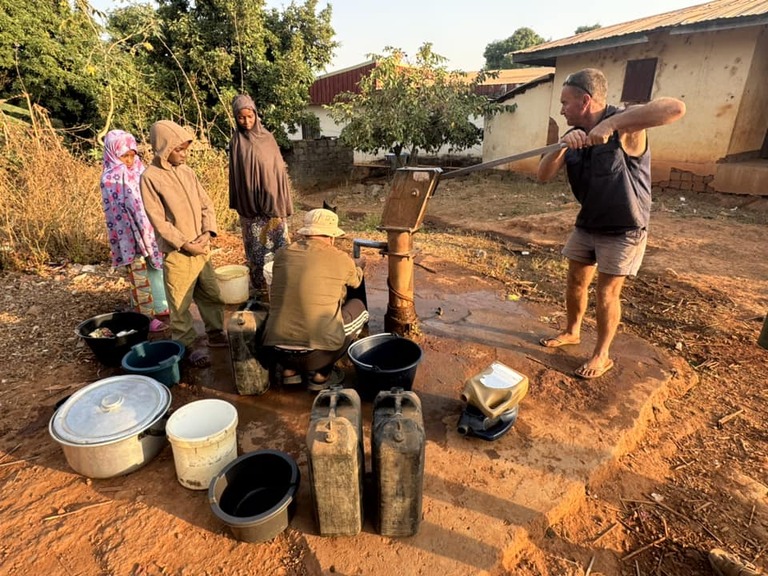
[[258, 179]]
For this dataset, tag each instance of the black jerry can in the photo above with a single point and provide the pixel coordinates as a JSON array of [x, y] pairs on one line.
[[244, 330], [398, 443], [336, 462]]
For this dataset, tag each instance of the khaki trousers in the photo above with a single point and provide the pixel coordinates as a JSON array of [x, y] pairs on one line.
[[189, 278]]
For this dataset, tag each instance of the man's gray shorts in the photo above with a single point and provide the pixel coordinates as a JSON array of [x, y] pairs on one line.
[[615, 254]]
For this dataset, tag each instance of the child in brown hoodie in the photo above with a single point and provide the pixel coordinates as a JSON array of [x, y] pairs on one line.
[[184, 220]]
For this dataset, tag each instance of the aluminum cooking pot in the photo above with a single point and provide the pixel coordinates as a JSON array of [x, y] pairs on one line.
[[112, 426]]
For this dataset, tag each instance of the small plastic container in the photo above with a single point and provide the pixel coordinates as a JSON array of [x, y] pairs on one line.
[[384, 361], [204, 440], [495, 390]]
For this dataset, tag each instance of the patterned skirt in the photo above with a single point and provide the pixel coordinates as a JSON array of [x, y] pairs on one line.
[[147, 289], [262, 237]]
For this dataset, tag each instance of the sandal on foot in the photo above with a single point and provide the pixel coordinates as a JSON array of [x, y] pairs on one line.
[[218, 339], [291, 377], [590, 373], [557, 341], [157, 325], [335, 378], [199, 358]]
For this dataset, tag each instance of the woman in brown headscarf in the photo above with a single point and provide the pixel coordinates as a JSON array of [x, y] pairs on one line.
[[259, 189]]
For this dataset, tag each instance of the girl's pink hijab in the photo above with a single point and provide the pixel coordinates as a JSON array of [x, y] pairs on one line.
[[116, 144]]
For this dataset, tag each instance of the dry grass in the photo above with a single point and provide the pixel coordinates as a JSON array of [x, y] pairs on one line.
[[50, 202]]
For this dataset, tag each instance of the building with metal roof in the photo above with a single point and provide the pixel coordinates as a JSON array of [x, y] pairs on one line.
[[712, 56], [327, 86]]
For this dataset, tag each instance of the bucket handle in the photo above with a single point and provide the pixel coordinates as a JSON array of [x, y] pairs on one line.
[[169, 361], [139, 350], [373, 367]]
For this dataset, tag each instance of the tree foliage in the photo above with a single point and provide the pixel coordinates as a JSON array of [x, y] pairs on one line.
[[419, 106], [48, 52], [177, 59], [498, 54], [204, 52], [586, 28]]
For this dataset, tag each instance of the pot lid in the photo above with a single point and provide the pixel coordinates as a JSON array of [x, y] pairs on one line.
[[109, 410]]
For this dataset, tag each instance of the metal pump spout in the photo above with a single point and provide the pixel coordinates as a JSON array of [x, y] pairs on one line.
[[358, 243]]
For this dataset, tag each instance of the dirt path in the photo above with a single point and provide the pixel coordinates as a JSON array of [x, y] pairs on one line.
[[692, 484]]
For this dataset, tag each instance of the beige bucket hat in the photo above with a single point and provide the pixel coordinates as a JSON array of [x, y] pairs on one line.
[[321, 222]]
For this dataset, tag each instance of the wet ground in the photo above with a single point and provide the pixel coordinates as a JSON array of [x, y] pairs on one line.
[[481, 499]]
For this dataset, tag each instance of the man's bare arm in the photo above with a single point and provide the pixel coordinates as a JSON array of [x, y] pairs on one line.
[[550, 164], [632, 123]]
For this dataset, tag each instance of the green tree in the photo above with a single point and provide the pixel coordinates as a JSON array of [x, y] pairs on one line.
[[498, 54], [417, 106], [49, 56], [202, 53], [586, 28]]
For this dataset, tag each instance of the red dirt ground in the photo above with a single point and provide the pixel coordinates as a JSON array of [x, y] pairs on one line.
[[695, 481]]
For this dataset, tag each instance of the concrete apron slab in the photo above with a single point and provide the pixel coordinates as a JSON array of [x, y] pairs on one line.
[[482, 500]]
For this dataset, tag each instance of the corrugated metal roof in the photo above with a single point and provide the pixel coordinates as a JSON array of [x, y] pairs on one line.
[[720, 14], [515, 75], [326, 87], [517, 90]]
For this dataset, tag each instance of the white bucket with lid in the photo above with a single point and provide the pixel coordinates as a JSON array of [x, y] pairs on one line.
[[203, 435], [233, 283]]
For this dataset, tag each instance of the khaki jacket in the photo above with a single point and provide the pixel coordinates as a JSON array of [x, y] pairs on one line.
[[309, 286], [175, 201]]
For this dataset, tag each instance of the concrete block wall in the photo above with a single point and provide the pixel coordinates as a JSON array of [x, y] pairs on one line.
[[685, 181], [324, 161]]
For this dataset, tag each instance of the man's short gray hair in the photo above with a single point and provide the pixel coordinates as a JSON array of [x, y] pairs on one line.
[[589, 80]]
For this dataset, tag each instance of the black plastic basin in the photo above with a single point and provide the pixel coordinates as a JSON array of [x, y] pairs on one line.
[[255, 494], [110, 351]]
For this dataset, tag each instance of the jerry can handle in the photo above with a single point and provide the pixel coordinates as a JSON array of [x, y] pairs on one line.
[[506, 398]]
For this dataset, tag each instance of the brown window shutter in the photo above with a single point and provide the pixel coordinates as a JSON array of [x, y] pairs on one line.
[[638, 81]]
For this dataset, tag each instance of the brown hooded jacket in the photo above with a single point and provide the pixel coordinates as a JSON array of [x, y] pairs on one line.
[[175, 201]]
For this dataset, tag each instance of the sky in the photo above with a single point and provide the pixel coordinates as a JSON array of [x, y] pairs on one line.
[[461, 29]]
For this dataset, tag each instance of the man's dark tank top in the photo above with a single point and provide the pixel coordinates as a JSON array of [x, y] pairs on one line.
[[613, 188]]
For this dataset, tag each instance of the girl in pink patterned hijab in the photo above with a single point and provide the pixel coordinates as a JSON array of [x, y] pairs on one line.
[[131, 237]]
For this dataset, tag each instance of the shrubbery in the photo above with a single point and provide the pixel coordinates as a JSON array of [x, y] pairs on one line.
[[50, 202]]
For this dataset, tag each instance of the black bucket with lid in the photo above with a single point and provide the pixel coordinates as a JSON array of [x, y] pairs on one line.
[[384, 361]]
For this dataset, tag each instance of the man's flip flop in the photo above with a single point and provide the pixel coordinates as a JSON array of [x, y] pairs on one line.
[[556, 342], [591, 373], [199, 359]]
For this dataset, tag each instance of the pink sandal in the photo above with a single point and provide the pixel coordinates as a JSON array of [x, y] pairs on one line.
[[157, 326]]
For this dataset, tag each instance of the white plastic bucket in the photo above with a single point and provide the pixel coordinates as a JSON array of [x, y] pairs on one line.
[[233, 283], [204, 440]]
